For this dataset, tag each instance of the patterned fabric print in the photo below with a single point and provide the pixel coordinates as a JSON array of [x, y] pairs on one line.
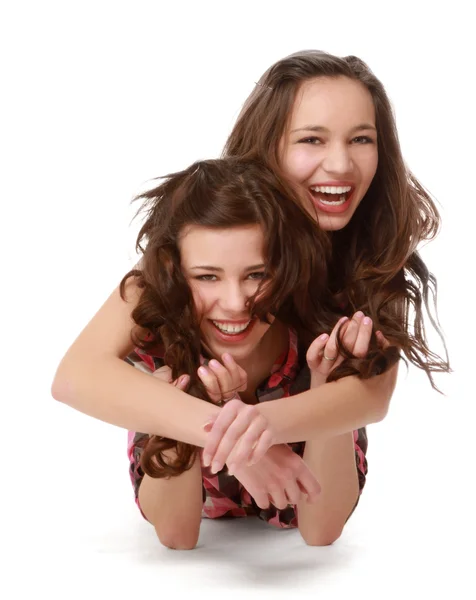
[[223, 494]]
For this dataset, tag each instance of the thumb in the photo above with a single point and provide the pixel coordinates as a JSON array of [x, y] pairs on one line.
[[313, 355]]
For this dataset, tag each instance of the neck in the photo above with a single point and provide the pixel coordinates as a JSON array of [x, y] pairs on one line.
[[258, 363]]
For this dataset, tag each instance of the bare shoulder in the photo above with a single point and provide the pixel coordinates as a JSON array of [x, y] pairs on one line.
[[109, 330]]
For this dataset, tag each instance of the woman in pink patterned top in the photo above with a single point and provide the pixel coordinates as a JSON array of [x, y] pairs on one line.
[[236, 292]]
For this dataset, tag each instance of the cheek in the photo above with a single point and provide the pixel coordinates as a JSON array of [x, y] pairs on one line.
[[299, 162], [200, 300], [368, 166]]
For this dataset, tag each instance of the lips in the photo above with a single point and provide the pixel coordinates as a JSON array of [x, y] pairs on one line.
[[235, 336], [333, 203]]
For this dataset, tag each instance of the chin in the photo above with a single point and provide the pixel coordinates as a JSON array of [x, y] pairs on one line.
[[333, 224]]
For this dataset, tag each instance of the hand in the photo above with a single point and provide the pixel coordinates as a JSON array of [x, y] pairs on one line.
[[322, 355], [223, 381], [280, 477], [240, 435]]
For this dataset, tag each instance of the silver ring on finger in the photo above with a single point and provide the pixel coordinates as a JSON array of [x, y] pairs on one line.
[[235, 396]]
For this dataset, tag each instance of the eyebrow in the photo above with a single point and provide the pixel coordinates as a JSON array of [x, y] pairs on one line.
[[320, 128], [217, 269]]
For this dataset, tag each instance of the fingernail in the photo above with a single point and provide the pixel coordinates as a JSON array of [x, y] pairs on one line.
[[215, 467], [208, 426], [324, 336], [231, 469], [359, 314], [367, 321], [214, 363], [227, 357], [343, 319], [202, 371], [206, 460]]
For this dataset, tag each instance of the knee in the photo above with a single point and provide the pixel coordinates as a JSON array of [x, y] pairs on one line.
[[178, 538], [316, 537]]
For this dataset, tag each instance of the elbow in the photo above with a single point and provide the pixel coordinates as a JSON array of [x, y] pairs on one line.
[[384, 386], [58, 388], [61, 387], [324, 537], [381, 410]]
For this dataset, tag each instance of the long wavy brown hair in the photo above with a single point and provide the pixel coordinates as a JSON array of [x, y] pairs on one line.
[[375, 265], [221, 194]]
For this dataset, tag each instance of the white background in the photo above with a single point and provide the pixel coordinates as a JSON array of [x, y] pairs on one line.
[[98, 98]]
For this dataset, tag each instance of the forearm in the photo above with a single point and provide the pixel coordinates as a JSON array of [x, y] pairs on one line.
[[332, 409], [109, 389], [333, 464]]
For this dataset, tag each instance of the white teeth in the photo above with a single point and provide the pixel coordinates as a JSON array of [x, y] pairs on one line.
[[332, 189], [230, 328], [334, 202]]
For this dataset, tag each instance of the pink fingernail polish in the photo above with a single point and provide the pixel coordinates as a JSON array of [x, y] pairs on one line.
[[367, 321]]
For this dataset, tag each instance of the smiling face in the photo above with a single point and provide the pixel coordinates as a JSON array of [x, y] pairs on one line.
[[224, 268], [329, 147]]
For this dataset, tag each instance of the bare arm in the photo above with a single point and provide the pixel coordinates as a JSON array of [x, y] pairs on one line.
[[332, 409], [320, 414], [94, 379]]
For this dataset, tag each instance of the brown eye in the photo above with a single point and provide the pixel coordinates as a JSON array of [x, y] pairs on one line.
[[363, 139], [310, 140], [206, 278]]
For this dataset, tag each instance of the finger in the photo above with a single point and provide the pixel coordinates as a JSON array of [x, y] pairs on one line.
[[293, 493], [308, 484], [223, 377], [382, 340], [245, 429], [361, 346], [330, 353], [211, 384], [278, 496], [219, 428], [237, 373], [252, 446], [182, 382], [351, 333], [262, 500], [164, 373], [314, 353], [264, 443], [342, 325]]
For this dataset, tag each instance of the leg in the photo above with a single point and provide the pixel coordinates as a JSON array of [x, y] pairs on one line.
[[174, 507], [333, 462]]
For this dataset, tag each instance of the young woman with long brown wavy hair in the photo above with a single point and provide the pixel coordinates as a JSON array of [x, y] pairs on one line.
[[325, 126]]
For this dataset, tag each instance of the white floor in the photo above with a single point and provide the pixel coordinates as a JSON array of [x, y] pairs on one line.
[[72, 528]]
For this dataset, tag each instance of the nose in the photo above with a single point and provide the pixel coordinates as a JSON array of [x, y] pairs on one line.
[[234, 299], [337, 159]]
